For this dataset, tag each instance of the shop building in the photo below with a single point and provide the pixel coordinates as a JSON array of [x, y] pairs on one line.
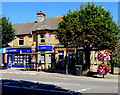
[[44, 37], [35, 42], [47, 45], [17, 58], [16, 54]]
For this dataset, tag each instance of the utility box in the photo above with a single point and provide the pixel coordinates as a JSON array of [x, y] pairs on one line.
[[78, 70]]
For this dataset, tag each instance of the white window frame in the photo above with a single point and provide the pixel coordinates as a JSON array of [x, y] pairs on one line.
[[20, 40], [42, 39]]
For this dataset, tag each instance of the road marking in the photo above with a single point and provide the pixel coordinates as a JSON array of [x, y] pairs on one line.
[[84, 89]]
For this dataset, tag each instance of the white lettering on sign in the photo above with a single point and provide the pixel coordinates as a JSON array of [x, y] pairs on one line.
[[43, 47], [12, 50]]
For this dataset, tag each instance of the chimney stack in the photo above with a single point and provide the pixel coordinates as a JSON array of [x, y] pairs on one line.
[[40, 16]]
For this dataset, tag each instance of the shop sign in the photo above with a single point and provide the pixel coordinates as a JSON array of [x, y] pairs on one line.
[[44, 48], [18, 50]]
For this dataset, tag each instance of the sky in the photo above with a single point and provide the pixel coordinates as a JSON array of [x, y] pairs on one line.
[[22, 12]]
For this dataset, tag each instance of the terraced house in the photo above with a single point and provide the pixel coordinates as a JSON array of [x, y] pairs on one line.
[[36, 42]]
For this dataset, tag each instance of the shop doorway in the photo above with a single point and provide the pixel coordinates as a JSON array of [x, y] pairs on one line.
[[10, 60], [61, 61]]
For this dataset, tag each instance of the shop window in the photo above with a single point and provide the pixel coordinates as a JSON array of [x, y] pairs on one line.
[[61, 55], [21, 41], [21, 59], [42, 39], [42, 58]]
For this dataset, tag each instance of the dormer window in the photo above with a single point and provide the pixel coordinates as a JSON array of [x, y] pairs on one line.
[[21, 41]]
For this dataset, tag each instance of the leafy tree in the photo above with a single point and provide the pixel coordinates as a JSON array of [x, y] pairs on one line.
[[90, 27], [8, 33], [116, 56]]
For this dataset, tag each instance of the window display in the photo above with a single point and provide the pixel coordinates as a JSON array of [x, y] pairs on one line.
[[20, 59], [42, 58]]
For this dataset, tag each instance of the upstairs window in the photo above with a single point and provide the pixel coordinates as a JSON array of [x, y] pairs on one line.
[[42, 38], [21, 41], [50, 39]]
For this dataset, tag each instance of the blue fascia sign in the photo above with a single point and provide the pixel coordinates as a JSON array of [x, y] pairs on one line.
[[44, 48], [19, 50]]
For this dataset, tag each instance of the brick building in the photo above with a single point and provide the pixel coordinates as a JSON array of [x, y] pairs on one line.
[[35, 42]]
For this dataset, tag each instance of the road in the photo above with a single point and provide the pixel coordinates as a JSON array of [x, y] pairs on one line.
[[82, 85]]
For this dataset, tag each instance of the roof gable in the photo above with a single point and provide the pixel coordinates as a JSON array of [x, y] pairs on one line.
[[48, 23]]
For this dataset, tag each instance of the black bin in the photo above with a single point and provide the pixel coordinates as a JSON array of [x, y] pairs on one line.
[[78, 70]]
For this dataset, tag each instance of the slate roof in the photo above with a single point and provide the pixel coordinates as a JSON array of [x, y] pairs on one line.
[[23, 28], [50, 23], [47, 24]]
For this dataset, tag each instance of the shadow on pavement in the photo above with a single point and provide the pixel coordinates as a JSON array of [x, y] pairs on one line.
[[21, 87], [94, 75]]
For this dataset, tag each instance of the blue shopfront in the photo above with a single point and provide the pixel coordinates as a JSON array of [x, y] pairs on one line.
[[18, 57], [45, 50]]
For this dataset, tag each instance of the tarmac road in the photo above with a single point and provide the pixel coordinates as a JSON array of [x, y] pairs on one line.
[[70, 83]]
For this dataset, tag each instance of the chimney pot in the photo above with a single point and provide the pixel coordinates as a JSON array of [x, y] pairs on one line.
[[40, 15]]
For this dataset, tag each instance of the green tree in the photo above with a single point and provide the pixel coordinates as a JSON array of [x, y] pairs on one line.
[[89, 27], [116, 56], [8, 33]]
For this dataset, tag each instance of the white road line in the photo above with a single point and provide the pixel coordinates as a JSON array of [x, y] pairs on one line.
[[84, 89]]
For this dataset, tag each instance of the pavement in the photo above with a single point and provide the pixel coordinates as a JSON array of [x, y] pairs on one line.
[[109, 77]]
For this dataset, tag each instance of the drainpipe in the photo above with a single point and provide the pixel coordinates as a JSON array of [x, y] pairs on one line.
[[36, 51]]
